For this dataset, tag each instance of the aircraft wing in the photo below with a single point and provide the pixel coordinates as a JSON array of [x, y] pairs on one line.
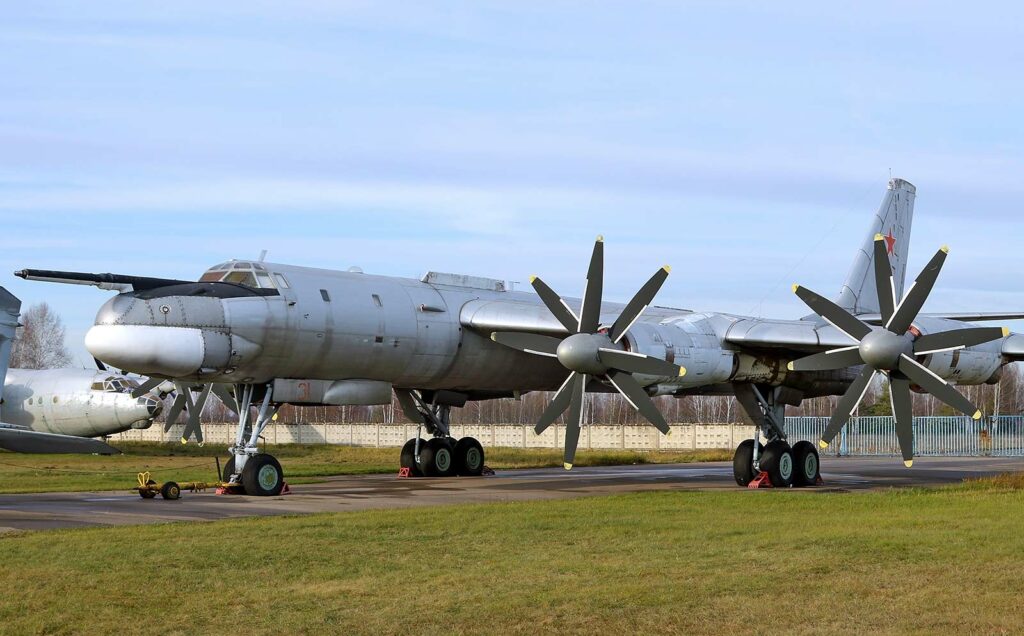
[[983, 316], [22, 440], [800, 336]]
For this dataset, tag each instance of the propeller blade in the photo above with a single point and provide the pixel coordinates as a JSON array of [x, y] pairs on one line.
[[176, 407], [146, 387], [828, 360], [193, 427], [528, 342], [99, 364], [918, 293], [639, 363], [924, 378], [590, 314], [902, 410], [555, 305], [638, 399], [957, 339], [884, 283], [833, 313], [557, 406], [847, 405], [575, 420], [223, 393], [640, 302]]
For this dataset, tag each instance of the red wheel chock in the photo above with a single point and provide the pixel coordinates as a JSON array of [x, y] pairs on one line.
[[761, 481], [286, 489], [403, 473]]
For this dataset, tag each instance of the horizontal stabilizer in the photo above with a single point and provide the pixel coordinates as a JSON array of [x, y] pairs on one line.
[[20, 440]]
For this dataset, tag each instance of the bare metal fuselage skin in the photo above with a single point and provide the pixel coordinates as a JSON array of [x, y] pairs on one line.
[[423, 334], [64, 401]]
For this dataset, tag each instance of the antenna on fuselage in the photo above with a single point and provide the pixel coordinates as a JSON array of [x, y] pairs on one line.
[[263, 255]]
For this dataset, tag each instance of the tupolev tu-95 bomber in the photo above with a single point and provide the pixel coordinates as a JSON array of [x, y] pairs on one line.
[[262, 334]]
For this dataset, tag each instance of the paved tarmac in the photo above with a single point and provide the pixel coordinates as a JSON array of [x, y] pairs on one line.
[[364, 492]]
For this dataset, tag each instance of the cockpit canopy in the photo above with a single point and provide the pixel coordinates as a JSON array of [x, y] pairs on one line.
[[115, 384], [254, 275]]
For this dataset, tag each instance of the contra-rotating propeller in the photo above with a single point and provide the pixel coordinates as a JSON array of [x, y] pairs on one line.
[[593, 352], [891, 350]]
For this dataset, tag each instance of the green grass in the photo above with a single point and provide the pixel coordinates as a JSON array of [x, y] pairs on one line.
[[302, 464], [773, 562]]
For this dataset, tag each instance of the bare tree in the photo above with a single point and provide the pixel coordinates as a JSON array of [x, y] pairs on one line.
[[39, 343]]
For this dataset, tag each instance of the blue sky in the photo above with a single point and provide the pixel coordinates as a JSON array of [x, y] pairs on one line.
[[746, 144]]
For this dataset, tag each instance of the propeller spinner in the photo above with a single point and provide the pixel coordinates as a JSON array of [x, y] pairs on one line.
[[592, 352], [892, 349]]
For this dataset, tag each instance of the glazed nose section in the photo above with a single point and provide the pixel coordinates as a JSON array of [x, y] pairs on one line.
[[153, 406], [148, 350]]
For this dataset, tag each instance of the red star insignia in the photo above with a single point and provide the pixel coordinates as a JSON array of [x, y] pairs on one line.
[[890, 242]]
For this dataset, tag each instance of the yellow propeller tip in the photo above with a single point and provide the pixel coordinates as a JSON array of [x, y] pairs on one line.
[[600, 238], [667, 268], [977, 415], [532, 278], [669, 433], [567, 466], [908, 463], [494, 336], [789, 366], [822, 444], [879, 237], [795, 287], [1006, 332], [944, 249], [184, 441], [682, 371]]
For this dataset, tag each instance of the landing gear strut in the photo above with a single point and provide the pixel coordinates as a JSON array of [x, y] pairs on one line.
[[777, 462], [441, 455], [259, 474]]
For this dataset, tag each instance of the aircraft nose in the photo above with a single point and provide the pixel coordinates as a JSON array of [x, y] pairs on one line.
[[153, 406], [164, 351]]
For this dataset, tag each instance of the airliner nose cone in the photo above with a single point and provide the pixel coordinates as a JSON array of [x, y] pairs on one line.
[[164, 351]]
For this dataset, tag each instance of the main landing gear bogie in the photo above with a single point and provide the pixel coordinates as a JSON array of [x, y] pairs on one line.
[[797, 466], [443, 457]]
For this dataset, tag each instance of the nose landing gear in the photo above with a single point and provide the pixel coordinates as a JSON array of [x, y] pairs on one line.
[[258, 474]]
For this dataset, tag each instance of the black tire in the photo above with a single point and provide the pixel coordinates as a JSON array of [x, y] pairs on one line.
[[148, 494], [743, 462], [806, 464], [469, 457], [262, 476], [170, 490], [229, 469], [777, 461], [408, 458], [437, 459]]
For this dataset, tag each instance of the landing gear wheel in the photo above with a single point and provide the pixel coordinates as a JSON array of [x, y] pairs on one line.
[[229, 469], [743, 462], [777, 461], [437, 459], [469, 457], [408, 458], [262, 476], [806, 465], [148, 494], [170, 490]]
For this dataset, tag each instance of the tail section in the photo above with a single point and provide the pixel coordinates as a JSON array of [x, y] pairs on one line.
[[892, 221], [10, 308]]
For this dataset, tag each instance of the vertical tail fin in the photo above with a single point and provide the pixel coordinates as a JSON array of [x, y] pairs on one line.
[[10, 307], [892, 221]]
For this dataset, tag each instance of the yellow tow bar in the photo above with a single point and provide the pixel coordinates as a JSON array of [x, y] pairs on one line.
[[148, 488]]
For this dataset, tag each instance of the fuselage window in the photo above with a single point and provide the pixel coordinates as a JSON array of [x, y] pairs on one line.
[[325, 295], [282, 281], [30, 401], [266, 282], [377, 301]]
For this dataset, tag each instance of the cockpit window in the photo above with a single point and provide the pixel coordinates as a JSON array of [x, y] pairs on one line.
[[252, 275], [114, 384]]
